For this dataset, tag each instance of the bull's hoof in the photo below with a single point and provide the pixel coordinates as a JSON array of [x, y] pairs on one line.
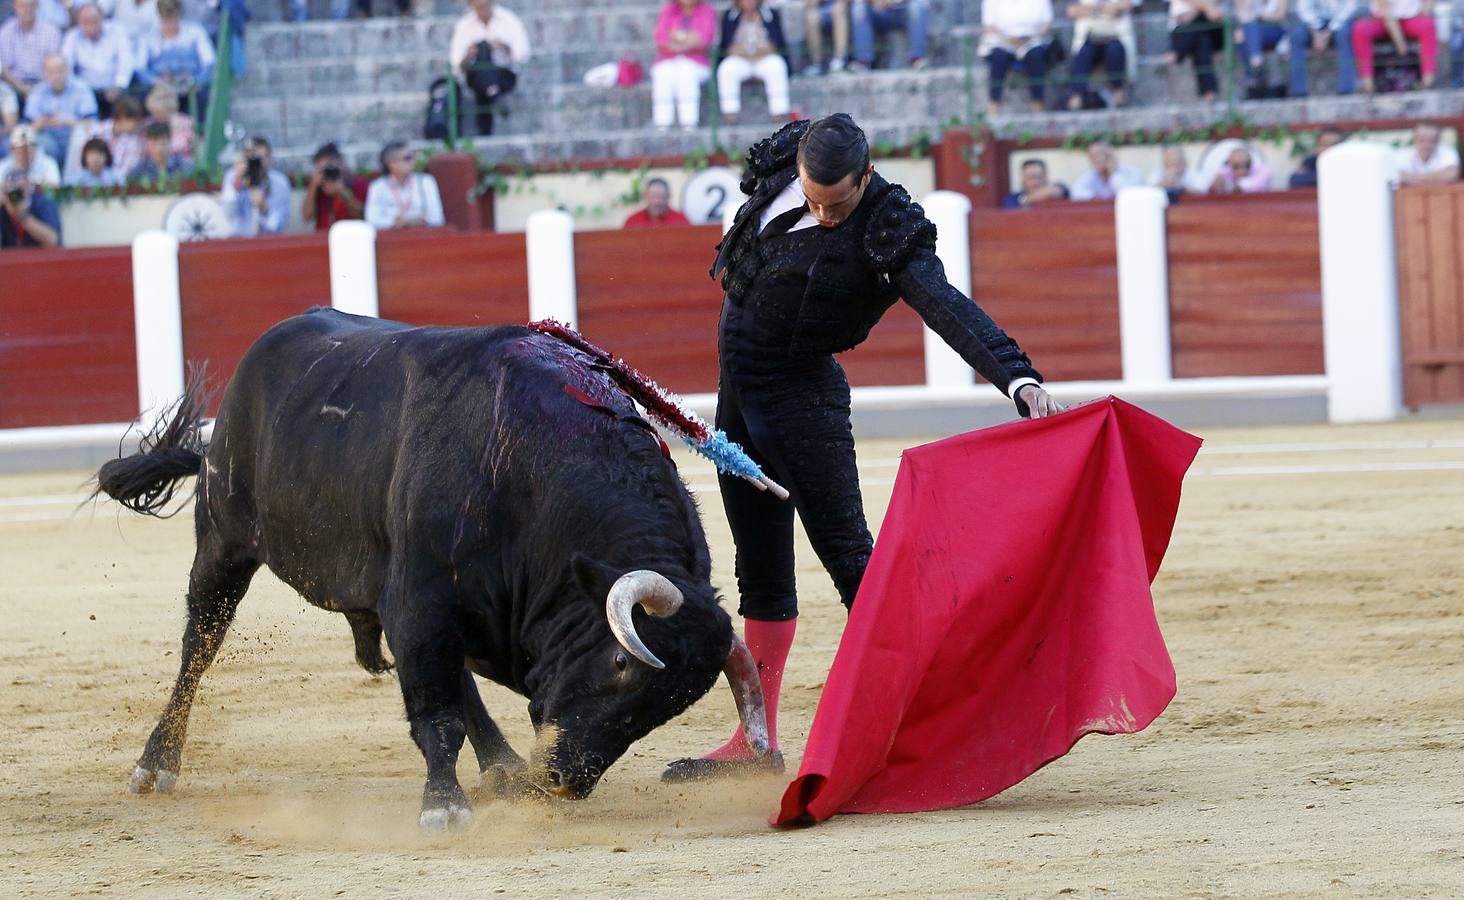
[[149, 781], [507, 781], [683, 770], [455, 817]]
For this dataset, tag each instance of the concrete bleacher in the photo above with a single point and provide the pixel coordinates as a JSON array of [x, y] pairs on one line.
[[362, 82]]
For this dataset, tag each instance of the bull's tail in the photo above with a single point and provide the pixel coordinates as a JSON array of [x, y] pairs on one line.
[[173, 450]]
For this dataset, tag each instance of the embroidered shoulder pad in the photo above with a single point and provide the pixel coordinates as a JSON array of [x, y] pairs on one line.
[[772, 154], [897, 228]]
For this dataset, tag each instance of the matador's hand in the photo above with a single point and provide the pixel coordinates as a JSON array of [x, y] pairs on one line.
[[1040, 404]]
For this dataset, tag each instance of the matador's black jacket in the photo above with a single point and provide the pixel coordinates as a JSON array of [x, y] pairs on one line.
[[792, 301]]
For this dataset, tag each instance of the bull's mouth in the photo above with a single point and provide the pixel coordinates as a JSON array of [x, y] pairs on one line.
[[552, 770]]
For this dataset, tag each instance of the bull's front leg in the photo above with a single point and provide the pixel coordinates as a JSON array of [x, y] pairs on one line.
[[429, 657]]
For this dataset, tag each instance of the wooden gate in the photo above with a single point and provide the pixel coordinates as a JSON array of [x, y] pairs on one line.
[[1430, 226]]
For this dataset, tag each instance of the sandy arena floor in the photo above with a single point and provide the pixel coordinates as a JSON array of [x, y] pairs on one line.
[[1312, 599]]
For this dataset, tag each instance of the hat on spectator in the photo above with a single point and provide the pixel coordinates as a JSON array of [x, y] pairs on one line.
[[23, 136]]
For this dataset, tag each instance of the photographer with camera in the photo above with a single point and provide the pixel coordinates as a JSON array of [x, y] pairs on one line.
[[256, 196], [28, 218], [333, 193], [488, 42]]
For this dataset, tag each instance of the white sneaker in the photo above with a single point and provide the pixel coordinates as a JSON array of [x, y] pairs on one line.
[[836, 65]]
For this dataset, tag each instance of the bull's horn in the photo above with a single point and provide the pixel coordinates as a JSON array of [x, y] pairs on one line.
[[741, 672], [655, 594]]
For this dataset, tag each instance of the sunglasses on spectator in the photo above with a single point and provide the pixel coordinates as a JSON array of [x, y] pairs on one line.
[[404, 157]]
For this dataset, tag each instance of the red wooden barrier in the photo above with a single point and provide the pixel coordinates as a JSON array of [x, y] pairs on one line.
[[647, 297], [234, 290], [1245, 285], [452, 277], [67, 349], [1430, 234], [1049, 277]]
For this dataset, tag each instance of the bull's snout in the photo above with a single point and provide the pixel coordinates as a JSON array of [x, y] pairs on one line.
[[566, 787]]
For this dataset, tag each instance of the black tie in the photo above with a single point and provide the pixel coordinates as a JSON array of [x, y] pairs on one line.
[[783, 221]]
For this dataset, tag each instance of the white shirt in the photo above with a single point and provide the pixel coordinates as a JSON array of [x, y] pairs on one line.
[[791, 197], [503, 27], [1443, 157], [103, 63], [417, 199], [1092, 187], [137, 17], [1405, 9], [43, 169], [1023, 22]]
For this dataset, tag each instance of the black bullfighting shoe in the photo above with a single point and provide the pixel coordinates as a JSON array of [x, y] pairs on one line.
[[698, 769]]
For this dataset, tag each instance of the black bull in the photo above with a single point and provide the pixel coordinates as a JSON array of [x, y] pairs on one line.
[[488, 499]]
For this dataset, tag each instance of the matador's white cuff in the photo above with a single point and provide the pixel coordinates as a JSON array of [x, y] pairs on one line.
[[1020, 383]]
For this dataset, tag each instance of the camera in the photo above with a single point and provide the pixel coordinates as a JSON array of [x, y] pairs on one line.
[[254, 171], [331, 172], [16, 196]]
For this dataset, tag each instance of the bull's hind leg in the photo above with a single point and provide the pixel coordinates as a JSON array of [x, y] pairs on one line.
[[421, 632], [215, 587]]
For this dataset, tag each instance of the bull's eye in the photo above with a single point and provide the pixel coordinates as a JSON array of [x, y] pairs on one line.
[[620, 661]]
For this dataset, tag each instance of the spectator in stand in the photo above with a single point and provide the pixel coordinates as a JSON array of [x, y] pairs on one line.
[[1106, 178], [1397, 20], [9, 116], [820, 16], [27, 156], [1195, 33], [1264, 27], [1305, 175], [178, 53], [123, 136], [1243, 173], [159, 163], [871, 17], [1103, 31], [25, 42], [28, 218], [340, 9], [100, 54], [657, 211], [256, 196], [752, 48], [1323, 22], [1456, 52], [333, 193], [684, 31], [1175, 176], [162, 106], [57, 105], [403, 197], [1428, 161], [1016, 32], [96, 169], [1035, 188], [488, 44], [135, 17], [238, 14]]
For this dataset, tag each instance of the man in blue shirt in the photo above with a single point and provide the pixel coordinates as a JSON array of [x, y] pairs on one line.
[[256, 196], [57, 104], [160, 161], [28, 218]]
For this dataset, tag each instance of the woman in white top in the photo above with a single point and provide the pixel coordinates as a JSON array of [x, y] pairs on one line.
[[1103, 31], [1012, 32], [403, 197]]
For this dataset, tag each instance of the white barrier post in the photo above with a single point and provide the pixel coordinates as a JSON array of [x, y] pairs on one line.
[[951, 213], [1360, 331], [550, 238], [157, 316], [353, 268], [1143, 285]]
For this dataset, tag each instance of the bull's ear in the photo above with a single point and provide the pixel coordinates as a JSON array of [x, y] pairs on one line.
[[593, 576]]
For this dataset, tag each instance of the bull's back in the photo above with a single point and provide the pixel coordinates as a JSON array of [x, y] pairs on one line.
[[323, 420]]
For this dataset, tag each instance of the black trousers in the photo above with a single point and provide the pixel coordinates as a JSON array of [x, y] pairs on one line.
[[796, 426], [1001, 61], [1199, 40]]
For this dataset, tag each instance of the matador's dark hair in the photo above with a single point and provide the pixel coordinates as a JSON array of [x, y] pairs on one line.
[[832, 149]]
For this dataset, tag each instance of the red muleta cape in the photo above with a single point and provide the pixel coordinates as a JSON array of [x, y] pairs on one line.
[[1005, 613]]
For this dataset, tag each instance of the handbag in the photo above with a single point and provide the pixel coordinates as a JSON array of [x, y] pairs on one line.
[[630, 73]]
